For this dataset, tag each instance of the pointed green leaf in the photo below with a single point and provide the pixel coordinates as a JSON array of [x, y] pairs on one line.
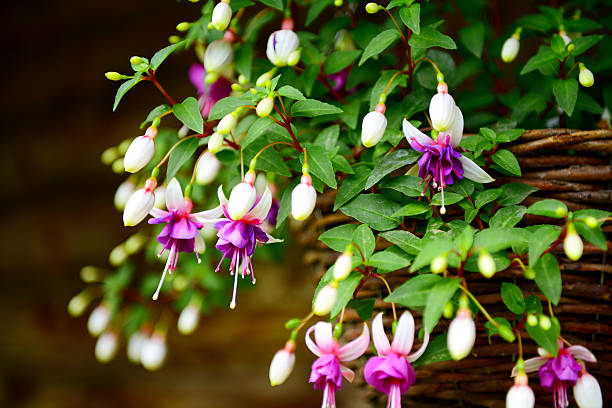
[[162, 54], [438, 296], [180, 155], [548, 277], [125, 87], [411, 17], [430, 37], [312, 107], [188, 112], [378, 44], [566, 93]]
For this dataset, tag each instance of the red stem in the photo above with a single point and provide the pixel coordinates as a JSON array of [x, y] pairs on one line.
[[155, 82]]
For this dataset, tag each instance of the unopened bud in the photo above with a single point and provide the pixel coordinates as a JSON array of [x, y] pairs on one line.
[[227, 124], [154, 352], [265, 106], [236, 87], [545, 322], [506, 333], [263, 78], [282, 364], [135, 243], [510, 49], [520, 395], [113, 76], [373, 128], [338, 3], [183, 26], [586, 76], [207, 168], [572, 244], [486, 264], [134, 346], [140, 152], [561, 211], [591, 222], [98, 320], [117, 166], [215, 143], [326, 299], [303, 199], [221, 16], [173, 39], [343, 266], [372, 8], [438, 264], [138, 206], [448, 310], [530, 273], [188, 319], [123, 193], [532, 320], [109, 155], [78, 304], [106, 347], [461, 334], [118, 255], [135, 60], [587, 391]]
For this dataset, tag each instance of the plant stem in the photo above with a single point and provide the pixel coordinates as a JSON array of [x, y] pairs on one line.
[[482, 309], [398, 28], [379, 276], [161, 89], [162, 161]]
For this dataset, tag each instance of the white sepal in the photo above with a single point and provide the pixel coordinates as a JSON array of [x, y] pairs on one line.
[[461, 335], [373, 128], [442, 111], [587, 392], [303, 200], [281, 366], [241, 200], [473, 172], [221, 16], [139, 154], [138, 206], [208, 168], [456, 129]]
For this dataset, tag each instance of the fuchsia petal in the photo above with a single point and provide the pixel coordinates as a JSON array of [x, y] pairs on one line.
[[209, 216], [196, 76], [347, 373], [355, 348], [412, 132], [324, 337], [473, 172], [157, 213], [222, 199], [414, 356], [174, 196], [379, 337], [404, 334], [311, 344], [531, 365], [456, 129], [261, 209], [582, 353]]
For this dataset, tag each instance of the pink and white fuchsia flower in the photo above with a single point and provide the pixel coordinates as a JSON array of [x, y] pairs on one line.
[[520, 395], [390, 372], [282, 48], [327, 372]]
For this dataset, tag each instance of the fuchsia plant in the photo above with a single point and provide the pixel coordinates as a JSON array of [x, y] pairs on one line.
[[339, 112]]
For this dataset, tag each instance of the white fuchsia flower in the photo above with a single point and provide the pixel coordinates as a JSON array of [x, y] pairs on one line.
[[327, 371], [283, 45], [154, 352], [587, 391], [572, 244], [390, 372], [461, 334], [326, 299], [442, 109], [373, 126], [303, 199], [188, 319], [282, 364], [221, 15], [98, 320], [218, 56], [265, 106], [511, 46], [139, 204], [106, 346], [520, 395], [207, 168], [140, 152]]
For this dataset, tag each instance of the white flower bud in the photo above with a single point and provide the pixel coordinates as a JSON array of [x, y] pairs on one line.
[[241, 200], [372, 128], [265, 106], [326, 299], [218, 56], [586, 76], [138, 206], [215, 143], [343, 266], [123, 194], [486, 264], [587, 392], [118, 255], [221, 16], [78, 304], [139, 154], [572, 244], [520, 395], [227, 124], [154, 352], [98, 320], [106, 347], [510, 49], [263, 79], [134, 346], [461, 334], [566, 38], [294, 57], [303, 199], [280, 45], [188, 319], [207, 169], [282, 364], [442, 111], [438, 264]]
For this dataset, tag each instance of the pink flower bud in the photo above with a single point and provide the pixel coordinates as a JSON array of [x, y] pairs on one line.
[[461, 334], [106, 347], [140, 152], [303, 199], [208, 168], [373, 128], [221, 16], [282, 364], [442, 111], [138, 206], [520, 395], [242, 199], [154, 352], [587, 392], [98, 320]]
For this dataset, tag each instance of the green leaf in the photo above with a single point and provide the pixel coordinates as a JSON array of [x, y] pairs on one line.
[[513, 298], [566, 93], [412, 207], [291, 92], [352, 185], [188, 112], [498, 239], [243, 59], [437, 351], [378, 44], [548, 339], [162, 54], [544, 56], [414, 292], [509, 135], [363, 307], [472, 36], [449, 198], [339, 237], [407, 185], [269, 160], [515, 193], [277, 4], [430, 37], [124, 87], [406, 241], [285, 203], [438, 296], [339, 60], [157, 111], [390, 259], [594, 235], [548, 208], [431, 250], [506, 160], [312, 107], [229, 104], [487, 196], [558, 45], [258, 128], [465, 240], [507, 217], [180, 155], [341, 164], [320, 165], [391, 162], [364, 238], [584, 43], [548, 277], [411, 17], [346, 288], [374, 210], [533, 305], [540, 240], [328, 137]]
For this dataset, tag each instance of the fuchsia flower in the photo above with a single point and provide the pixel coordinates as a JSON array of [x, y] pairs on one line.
[[327, 372], [181, 227], [390, 372], [557, 373], [211, 94]]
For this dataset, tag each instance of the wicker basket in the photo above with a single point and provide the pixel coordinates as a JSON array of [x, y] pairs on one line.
[[582, 179]]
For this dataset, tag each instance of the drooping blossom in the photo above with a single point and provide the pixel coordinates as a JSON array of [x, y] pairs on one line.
[[373, 126], [558, 373], [221, 15], [282, 48], [390, 372], [520, 395], [440, 163], [461, 334], [327, 370], [587, 391], [208, 95], [181, 227]]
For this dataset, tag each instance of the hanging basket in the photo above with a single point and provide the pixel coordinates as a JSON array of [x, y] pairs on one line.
[[572, 166]]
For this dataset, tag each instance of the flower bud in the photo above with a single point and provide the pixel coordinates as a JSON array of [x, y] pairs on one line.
[[486, 264], [227, 124], [545, 322], [113, 76], [109, 155], [280, 45], [373, 127], [78, 304], [303, 199], [215, 143], [188, 319], [572, 244], [263, 79], [448, 310], [140, 152], [520, 395], [242, 199], [221, 16], [294, 57], [461, 334], [218, 56], [106, 346], [160, 197], [587, 392], [117, 166], [135, 243], [343, 266], [506, 333], [98, 320], [154, 352], [90, 274], [530, 273], [282, 364], [118, 255], [265, 106], [123, 193], [134, 346], [438, 264], [510, 49], [138, 206], [136, 60], [566, 38], [207, 168], [326, 299], [586, 76], [372, 8], [532, 320], [442, 110], [173, 39], [591, 222], [183, 26], [338, 3]]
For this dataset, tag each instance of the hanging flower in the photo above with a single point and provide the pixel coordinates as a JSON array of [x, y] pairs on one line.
[[520, 395], [282, 47], [557, 373], [587, 391], [181, 227], [390, 372], [208, 95], [327, 372], [218, 58], [440, 162]]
